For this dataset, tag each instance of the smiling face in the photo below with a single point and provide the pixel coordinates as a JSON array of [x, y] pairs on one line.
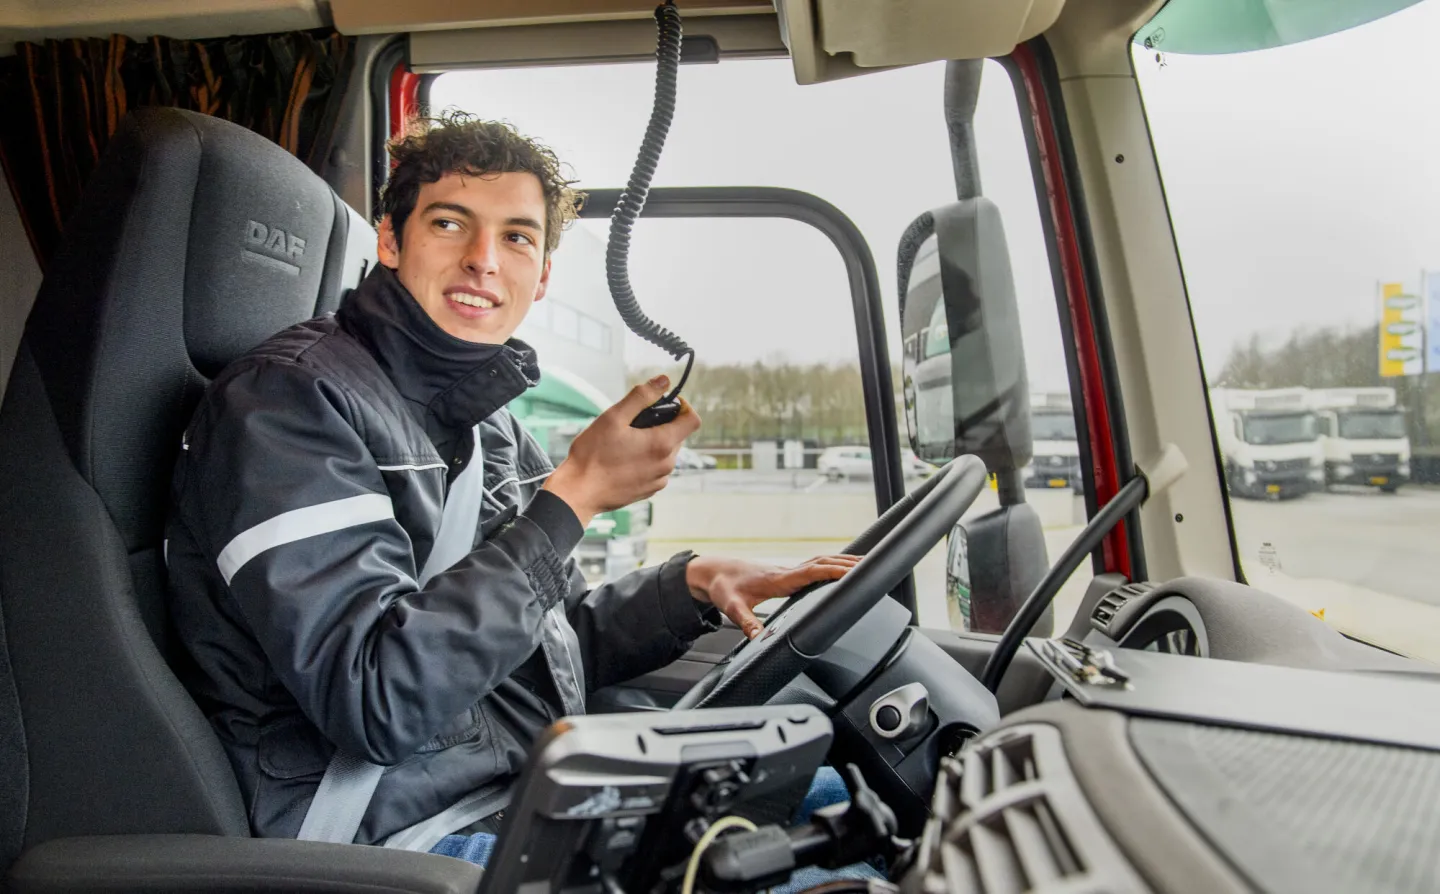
[[473, 253]]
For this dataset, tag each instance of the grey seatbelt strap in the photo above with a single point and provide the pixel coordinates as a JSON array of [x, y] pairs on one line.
[[475, 806], [461, 518], [349, 782], [341, 800]]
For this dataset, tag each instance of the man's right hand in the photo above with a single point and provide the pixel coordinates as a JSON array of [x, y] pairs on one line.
[[612, 465]]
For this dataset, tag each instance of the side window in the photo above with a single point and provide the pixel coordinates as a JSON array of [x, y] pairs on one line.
[[780, 469]]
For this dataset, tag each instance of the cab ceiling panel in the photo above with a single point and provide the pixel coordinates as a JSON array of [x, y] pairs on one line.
[[37, 20], [826, 39]]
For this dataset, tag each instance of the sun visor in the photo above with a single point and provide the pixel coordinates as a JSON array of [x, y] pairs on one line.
[[833, 39]]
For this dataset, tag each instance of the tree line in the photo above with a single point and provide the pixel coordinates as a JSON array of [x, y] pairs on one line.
[[822, 404]]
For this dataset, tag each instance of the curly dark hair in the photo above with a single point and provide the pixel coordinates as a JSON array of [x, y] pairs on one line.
[[460, 143]]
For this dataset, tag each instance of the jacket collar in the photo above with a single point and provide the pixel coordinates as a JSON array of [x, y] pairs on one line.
[[447, 380]]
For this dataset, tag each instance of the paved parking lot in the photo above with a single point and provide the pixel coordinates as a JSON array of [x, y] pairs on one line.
[[747, 481], [787, 517], [1384, 542], [1369, 556]]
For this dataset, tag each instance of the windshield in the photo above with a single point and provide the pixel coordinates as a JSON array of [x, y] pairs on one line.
[[1052, 427], [1302, 180], [1290, 428], [1362, 425]]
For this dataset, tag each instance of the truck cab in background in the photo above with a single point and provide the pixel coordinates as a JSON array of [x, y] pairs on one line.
[[1363, 435], [1269, 441], [1056, 461]]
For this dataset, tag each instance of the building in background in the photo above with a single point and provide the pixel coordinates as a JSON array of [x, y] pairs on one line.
[[575, 327]]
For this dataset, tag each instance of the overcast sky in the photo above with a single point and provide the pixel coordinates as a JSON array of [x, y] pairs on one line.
[[1297, 178]]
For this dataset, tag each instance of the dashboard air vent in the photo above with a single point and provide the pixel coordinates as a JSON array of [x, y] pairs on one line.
[[1110, 604], [1008, 817]]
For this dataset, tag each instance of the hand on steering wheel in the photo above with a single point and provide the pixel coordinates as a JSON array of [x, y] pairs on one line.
[[735, 586], [798, 633]]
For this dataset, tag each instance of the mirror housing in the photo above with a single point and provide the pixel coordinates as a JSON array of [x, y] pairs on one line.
[[963, 373], [994, 561]]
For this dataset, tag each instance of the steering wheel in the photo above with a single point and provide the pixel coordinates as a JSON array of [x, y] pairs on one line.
[[804, 628]]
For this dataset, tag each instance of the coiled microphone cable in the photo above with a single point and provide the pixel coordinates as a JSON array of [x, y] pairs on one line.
[[632, 202]]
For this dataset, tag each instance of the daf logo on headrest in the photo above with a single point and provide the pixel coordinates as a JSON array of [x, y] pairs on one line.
[[274, 247]]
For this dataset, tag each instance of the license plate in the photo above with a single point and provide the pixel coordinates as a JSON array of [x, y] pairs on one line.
[[1272, 488], [1058, 482], [1379, 479]]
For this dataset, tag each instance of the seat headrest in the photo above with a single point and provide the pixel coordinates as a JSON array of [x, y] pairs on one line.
[[196, 239]]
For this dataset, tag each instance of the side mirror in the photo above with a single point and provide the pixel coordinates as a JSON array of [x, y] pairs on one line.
[[963, 373]]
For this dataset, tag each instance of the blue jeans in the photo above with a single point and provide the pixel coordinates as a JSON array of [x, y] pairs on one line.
[[827, 788]]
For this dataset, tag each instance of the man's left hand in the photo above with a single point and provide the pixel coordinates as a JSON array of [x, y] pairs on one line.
[[735, 586]]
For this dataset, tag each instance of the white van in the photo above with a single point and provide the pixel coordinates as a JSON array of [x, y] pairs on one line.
[[853, 461]]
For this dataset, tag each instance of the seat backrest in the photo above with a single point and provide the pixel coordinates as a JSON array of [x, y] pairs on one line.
[[195, 240]]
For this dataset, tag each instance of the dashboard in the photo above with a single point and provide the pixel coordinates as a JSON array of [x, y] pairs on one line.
[[1142, 616], [1074, 797], [1239, 745], [1207, 618]]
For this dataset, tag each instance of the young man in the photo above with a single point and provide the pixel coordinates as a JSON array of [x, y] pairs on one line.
[[370, 558]]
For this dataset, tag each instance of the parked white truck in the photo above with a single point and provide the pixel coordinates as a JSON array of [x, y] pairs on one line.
[[1363, 435], [1269, 441], [1056, 453]]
